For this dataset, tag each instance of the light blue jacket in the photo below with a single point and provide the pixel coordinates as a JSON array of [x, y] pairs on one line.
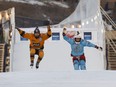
[[78, 49]]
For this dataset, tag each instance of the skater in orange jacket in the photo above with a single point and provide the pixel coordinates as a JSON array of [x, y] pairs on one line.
[[36, 43]]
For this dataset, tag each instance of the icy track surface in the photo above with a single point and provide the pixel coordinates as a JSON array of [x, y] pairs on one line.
[[36, 78]]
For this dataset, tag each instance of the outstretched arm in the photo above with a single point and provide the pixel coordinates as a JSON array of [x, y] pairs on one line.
[[22, 33], [69, 40], [48, 34], [89, 44]]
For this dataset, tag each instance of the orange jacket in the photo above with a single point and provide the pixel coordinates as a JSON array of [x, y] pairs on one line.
[[39, 42]]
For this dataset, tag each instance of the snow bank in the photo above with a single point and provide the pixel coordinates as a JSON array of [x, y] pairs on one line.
[[37, 78], [59, 4], [33, 2], [29, 2]]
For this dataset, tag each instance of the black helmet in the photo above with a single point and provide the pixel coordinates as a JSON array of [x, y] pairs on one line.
[[37, 30]]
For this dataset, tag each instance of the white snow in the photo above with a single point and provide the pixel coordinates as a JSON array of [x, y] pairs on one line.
[[59, 4], [33, 2], [37, 78], [36, 2], [29, 2]]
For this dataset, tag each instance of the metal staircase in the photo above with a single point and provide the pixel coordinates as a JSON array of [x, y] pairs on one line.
[[2, 52], [110, 42], [111, 52]]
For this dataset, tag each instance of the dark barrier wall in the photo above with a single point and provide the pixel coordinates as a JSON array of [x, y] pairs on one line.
[[27, 22]]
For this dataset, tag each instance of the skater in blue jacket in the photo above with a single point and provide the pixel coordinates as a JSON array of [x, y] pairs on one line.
[[77, 50]]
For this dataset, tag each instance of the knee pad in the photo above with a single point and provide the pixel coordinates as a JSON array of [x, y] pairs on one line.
[[82, 65], [32, 51], [76, 64], [82, 62], [41, 53]]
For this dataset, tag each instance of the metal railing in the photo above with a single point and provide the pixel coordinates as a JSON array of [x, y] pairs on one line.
[[106, 28], [108, 17], [110, 37]]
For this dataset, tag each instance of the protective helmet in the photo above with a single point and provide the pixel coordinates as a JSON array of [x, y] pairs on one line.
[[36, 30], [77, 36]]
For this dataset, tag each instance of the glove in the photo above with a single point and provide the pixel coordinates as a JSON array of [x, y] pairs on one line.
[[64, 31], [48, 27], [99, 48], [17, 28]]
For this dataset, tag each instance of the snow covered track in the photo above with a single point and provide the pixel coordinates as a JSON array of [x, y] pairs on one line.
[[38, 78]]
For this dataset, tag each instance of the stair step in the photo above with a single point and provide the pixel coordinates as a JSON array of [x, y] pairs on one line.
[[112, 58], [1, 47], [111, 47], [112, 68], [111, 61], [1, 56], [111, 55]]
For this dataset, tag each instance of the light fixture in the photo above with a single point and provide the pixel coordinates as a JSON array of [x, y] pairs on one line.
[[6, 15], [64, 26], [79, 26], [10, 42], [9, 50], [102, 30], [10, 33], [91, 20], [95, 17], [72, 26], [87, 22], [98, 14], [83, 23]]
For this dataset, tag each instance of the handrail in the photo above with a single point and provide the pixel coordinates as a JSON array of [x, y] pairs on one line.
[[109, 38], [108, 17], [113, 24], [110, 43], [110, 32]]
